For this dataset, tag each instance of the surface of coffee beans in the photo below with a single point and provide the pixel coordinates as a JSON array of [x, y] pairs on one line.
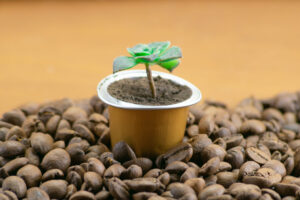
[[61, 150]]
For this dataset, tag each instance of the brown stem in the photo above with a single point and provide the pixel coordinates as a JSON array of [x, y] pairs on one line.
[[150, 79]]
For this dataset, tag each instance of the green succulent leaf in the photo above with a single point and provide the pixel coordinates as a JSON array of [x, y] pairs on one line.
[[170, 64], [139, 50], [123, 62], [159, 47], [147, 59], [171, 53]]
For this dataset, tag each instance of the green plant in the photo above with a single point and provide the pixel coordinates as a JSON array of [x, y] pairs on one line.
[[150, 54]]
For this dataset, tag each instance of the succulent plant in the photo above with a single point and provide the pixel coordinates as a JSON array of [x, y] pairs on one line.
[[155, 53]]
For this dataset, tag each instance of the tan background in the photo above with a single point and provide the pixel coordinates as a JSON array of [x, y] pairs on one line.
[[232, 49]]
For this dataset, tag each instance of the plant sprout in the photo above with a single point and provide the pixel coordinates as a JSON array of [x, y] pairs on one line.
[[155, 53]]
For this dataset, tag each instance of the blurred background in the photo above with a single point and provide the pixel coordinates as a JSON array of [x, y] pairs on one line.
[[232, 49]]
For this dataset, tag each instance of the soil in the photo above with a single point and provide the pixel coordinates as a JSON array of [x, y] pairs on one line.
[[137, 91]]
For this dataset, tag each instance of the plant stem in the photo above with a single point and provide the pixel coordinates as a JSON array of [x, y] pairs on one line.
[[150, 79]]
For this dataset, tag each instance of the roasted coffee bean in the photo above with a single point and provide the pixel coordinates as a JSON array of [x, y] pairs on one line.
[[52, 174], [212, 190], [286, 189], [189, 173], [118, 189], [263, 177], [197, 184], [224, 166], [96, 165], [176, 167], [235, 156], [41, 143], [59, 144], [180, 190], [165, 178], [30, 174], [274, 195], [227, 178], [248, 111], [93, 181], [82, 195], [154, 173], [15, 133], [257, 155], [143, 195], [122, 152], [102, 195], [252, 127], [211, 180], [243, 191], [11, 148], [276, 166], [73, 113], [144, 184], [192, 130], [84, 132], [133, 171], [52, 124], [114, 171], [56, 189], [248, 168], [56, 159], [71, 189], [210, 167], [198, 143], [16, 185], [206, 125], [13, 166], [211, 151], [182, 152], [15, 117], [10, 195], [36, 193], [75, 179]]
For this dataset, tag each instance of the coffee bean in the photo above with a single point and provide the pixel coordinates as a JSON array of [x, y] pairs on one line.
[[15, 133], [93, 181], [210, 167], [257, 155], [212, 190], [133, 171], [198, 143], [73, 113], [235, 156], [56, 159], [276, 166], [189, 173], [118, 189], [30, 174], [36, 193], [16, 185], [248, 168], [197, 184], [179, 190], [176, 167], [13, 165], [182, 152], [254, 127], [102, 195], [41, 143], [11, 148], [122, 152], [52, 174], [211, 151], [286, 189], [82, 195], [114, 171], [154, 173], [75, 179], [206, 125], [84, 132], [144, 184], [143, 195], [96, 165], [274, 195], [226, 178], [56, 189], [263, 177], [192, 130], [165, 178], [244, 191], [15, 117]]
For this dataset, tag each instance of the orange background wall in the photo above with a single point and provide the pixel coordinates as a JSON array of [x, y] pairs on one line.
[[232, 49]]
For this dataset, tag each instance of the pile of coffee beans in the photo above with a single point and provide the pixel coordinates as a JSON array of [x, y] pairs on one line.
[[61, 150]]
